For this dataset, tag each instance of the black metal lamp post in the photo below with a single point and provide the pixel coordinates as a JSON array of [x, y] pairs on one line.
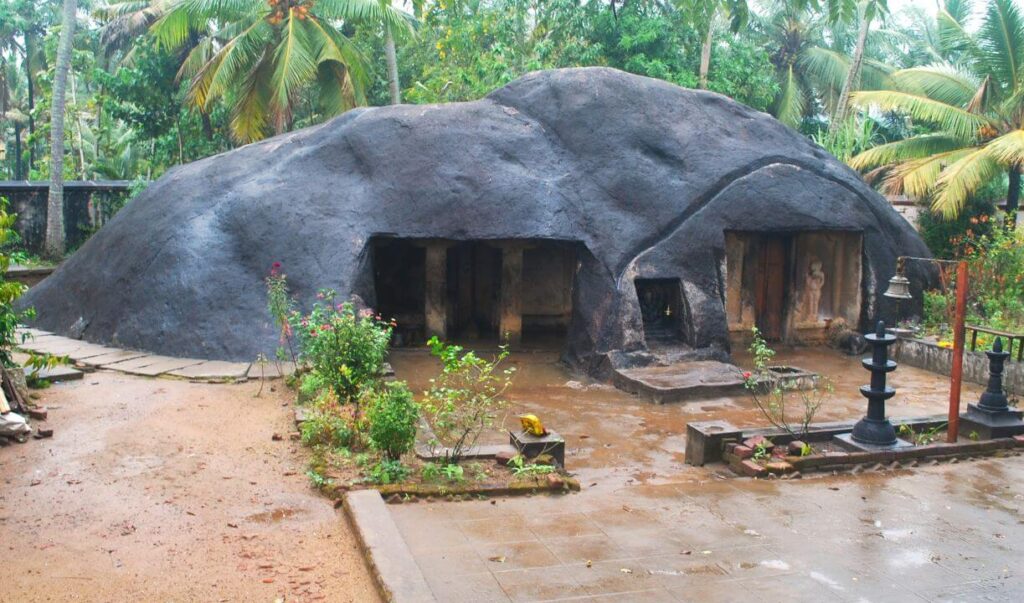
[[994, 399], [874, 429], [992, 416]]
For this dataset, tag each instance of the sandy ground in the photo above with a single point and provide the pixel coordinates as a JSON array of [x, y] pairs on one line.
[[153, 489]]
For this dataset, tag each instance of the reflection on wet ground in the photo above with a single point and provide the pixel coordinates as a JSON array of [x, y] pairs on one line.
[[648, 527]]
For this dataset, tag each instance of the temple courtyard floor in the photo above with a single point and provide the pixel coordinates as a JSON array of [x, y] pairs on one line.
[[158, 489]]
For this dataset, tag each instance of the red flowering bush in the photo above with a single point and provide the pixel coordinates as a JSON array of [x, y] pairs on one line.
[[344, 348]]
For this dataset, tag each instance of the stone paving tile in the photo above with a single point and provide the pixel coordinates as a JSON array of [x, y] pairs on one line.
[[131, 361], [539, 584], [512, 528], [610, 577], [57, 373], [112, 357], [554, 525], [467, 588], [213, 369], [151, 366], [642, 596], [580, 549], [515, 555], [454, 560], [89, 351], [270, 370]]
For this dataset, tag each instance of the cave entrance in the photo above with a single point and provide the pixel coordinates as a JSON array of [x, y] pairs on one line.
[[792, 285], [479, 292], [661, 307], [399, 274]]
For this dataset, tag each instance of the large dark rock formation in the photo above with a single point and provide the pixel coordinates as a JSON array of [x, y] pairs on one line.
[[646, 175]]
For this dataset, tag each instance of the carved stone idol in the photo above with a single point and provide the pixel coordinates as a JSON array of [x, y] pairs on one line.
[[813, 283]]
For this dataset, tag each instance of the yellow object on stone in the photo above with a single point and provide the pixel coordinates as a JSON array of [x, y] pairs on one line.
[[531, 424]]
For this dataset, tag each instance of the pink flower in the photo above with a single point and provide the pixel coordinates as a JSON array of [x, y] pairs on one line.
[[746, 375], [320, 296], [365, 313]]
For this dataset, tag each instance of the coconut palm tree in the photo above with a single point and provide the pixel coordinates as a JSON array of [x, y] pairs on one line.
[[53, 246], [263, 56], [867, 11], [976, 108], [810, 67]]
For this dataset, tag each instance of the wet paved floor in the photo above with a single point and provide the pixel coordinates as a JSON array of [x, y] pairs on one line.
[[647, 527]]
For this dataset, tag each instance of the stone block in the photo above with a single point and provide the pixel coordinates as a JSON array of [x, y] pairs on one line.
[[705, 441], [532, 446]]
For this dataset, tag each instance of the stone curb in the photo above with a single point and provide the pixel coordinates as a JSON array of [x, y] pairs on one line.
[[396, 572]]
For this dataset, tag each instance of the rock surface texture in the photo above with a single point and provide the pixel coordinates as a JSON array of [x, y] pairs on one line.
[[644, 175]]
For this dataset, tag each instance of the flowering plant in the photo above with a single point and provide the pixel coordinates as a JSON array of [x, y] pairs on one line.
[[344, 347], [772, 395]]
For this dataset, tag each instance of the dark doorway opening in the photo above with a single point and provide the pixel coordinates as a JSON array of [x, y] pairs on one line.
[[399, 271], [771, 284], [473, 291], [661, 307]]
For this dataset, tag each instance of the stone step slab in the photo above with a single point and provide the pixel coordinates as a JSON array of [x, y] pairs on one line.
[[112, 357], [213, 370], [271, 370], [57, 373], [151, 366]]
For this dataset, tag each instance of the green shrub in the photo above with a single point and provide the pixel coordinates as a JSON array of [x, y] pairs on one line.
[[10, 291], [946, 237], [466, 398], [392, 416], [326, 429], [347, 350], [388, 472]]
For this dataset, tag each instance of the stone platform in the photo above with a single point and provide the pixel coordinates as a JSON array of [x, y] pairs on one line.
[[681, 381]]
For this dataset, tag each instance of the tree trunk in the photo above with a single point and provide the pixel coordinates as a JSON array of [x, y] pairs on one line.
[[1013, 198], [705, 54], [31, 142], [18, 175], [852, 76], [54, 245], [392, 58], [78, 123]]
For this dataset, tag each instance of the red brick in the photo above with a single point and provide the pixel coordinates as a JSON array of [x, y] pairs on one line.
[[751, 469], [779, 467], [743, 452], [756, 441]]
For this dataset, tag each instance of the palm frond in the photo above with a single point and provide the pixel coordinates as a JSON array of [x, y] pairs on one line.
[[1002, 42], [826, 67], [917, 147], [954, 120], [294, 63], [945, 83], [1008, 149], [918, 177], [253, 102], [962, 179], [789, 106], [365, 11]]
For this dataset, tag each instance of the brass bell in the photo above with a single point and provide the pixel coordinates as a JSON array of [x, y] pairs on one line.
[[899, 288]]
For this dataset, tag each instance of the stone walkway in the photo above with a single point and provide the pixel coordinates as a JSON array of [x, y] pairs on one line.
[[92, 356], [944, 533]]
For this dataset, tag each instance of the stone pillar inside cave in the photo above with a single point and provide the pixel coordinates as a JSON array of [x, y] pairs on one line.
[[434, 312], [511, 318]]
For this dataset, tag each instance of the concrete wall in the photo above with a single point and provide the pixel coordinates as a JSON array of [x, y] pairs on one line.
[[85, 209], [928, 356]]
